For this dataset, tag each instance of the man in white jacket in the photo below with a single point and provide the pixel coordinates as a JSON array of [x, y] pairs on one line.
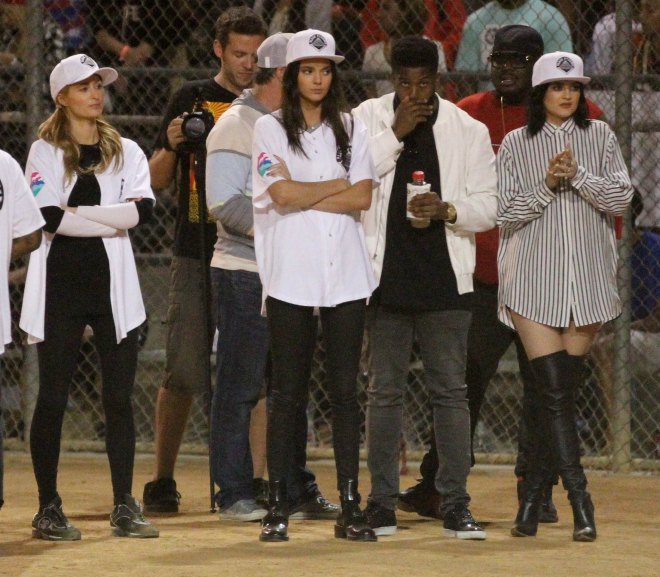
[[425, 268]]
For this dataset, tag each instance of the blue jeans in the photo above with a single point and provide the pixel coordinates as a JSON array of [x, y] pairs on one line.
[[241, 367], [442, 337], [242, 359]]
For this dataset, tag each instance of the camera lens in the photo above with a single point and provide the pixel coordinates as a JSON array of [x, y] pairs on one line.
[[194, 127]]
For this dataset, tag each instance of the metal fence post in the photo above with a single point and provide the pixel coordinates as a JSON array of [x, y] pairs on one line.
[[621, 410]]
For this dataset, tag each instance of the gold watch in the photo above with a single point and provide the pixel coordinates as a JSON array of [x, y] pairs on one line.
[[451, 213]]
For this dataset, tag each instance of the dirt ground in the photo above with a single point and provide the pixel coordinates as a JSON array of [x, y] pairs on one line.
[[196, 544]]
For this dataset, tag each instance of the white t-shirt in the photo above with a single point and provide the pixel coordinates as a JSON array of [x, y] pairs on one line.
[[19, 216], [309, 257]]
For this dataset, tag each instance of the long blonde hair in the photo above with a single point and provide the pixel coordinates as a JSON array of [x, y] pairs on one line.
[[55, 130]]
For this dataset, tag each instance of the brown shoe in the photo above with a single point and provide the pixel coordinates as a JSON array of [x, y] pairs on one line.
[[421, 499]]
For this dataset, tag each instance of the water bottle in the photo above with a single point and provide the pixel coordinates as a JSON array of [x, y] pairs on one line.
[[417, 186]]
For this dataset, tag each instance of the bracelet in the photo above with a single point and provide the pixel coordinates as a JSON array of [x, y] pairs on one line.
[[123, 53]]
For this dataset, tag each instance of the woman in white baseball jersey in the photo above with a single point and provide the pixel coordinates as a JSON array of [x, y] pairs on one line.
[[562, 180], [312, 176], [91, 186]]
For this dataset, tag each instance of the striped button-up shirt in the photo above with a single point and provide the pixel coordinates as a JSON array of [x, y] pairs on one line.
[[557, 254]]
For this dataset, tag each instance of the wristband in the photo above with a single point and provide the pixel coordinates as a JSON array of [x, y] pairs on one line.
[[123, 53]]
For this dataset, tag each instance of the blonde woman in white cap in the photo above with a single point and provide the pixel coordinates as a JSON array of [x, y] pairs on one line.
[[562, 181], [91, 186], [312, 175]]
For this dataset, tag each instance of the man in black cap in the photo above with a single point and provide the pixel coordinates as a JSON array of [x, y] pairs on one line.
[[515, 50]]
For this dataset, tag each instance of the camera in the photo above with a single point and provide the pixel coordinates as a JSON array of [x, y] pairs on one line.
[[196, 126]]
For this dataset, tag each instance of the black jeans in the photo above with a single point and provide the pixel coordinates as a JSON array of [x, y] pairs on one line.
[[293, 337], [58, 355]]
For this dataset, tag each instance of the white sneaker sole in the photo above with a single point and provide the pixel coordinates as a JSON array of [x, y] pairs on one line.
[[385, 531], [466, 535]]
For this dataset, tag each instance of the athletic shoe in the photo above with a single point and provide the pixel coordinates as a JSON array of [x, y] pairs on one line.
[[50, 523], [421, 499], [315, 508], [127, 520], [458, 522], [243, 510], [380, 519], [161, 496]]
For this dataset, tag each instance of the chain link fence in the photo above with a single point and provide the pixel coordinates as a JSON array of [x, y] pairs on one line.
[[619, 405]]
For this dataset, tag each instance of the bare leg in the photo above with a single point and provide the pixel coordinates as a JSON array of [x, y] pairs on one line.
[[258, 419], [172, 410]]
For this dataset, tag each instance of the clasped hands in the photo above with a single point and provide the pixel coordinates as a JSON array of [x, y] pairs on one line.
[[563, 165]]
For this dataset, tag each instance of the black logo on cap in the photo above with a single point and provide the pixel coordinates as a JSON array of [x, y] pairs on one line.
[[565, 64], [2, 195], [318, 42], [84, 59]]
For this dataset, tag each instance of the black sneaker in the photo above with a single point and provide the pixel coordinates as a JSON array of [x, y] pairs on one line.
[[127, 520], [50, 523], [314, 508], [380, 519], [161, 496], [458, 522]]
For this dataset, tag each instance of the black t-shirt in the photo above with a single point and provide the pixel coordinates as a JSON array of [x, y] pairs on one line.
[[187, 233], [78, 270], [417, 273]]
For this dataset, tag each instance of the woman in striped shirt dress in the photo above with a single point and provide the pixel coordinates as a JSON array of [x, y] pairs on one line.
[[562, 180]]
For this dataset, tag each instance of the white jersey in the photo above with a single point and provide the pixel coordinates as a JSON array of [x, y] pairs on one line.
[[19, 216], [309, 257], [45, 172]]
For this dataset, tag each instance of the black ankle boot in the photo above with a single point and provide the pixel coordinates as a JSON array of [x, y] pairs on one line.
[[527, 519], [275, 525], [351, 523], [584, 525]]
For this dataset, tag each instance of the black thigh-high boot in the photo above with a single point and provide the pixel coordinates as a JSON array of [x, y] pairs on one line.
[[275, 525], [558, 376], [534, 446], [352, 523]]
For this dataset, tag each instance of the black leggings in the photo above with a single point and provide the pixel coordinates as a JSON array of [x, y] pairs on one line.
[[293, 338], [58, 355]]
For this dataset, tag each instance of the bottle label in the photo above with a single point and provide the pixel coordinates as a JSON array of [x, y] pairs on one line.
[[414, 190]]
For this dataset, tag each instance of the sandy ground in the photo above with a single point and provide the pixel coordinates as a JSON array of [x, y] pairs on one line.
[[195, 543]]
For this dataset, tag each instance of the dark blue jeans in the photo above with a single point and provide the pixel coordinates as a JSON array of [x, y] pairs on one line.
[[242, 360]]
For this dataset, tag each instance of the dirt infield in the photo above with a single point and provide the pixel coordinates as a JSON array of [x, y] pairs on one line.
[[197, 544]]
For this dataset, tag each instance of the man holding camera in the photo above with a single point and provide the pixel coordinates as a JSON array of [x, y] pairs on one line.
[[238, 34]]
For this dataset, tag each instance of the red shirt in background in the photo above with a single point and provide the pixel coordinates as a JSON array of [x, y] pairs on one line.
[[447, 30]]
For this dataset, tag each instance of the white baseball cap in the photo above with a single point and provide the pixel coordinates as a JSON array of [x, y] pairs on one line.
[[77, 68], [311, 44], [557, 67], [272, 51]]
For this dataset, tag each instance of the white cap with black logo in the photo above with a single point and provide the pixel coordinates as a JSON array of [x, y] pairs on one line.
[[77, 68], [557, 67], [311, 44]]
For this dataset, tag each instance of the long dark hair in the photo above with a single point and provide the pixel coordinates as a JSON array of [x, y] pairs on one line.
[[331, 109], [536, 109]]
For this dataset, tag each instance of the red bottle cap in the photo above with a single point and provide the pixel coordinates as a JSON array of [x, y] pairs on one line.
[[418, 176]]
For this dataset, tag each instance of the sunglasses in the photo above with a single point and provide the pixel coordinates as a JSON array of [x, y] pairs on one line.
[[512, 59]]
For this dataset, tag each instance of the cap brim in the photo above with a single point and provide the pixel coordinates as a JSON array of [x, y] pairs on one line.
[[108, 75], [580, 79], [335, 58]]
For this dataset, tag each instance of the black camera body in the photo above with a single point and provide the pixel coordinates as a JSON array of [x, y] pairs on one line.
[[196, 126]]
